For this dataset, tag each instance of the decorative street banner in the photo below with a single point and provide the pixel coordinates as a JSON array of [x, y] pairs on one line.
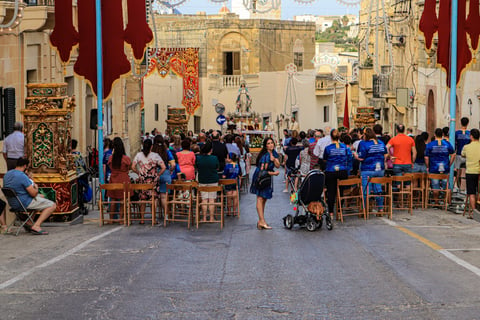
[[115, 63], [184, 63], [431, 24]]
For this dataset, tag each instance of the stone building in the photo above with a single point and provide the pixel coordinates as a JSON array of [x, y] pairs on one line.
[[232, 51], [401, 79], [26, 56]]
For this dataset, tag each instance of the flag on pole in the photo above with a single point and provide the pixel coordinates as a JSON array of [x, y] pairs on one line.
[[346, 120]]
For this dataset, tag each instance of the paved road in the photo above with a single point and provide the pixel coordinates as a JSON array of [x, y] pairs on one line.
[[424, 266]]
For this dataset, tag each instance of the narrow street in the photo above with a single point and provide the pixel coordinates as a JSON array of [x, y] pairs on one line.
[[425, 266]]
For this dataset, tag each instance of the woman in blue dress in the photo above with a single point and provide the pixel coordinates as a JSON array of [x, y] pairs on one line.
[[267, 159]]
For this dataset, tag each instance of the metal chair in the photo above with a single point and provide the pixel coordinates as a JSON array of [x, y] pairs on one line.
[[22, 214], [217, 204], [137, 208], [109, 206], [443, 195], [350, 198], [385, 184], [229, 200], [402, 195]]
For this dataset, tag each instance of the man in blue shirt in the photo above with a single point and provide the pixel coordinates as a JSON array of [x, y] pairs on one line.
[[27, 192], [439, 156], [462, 137]]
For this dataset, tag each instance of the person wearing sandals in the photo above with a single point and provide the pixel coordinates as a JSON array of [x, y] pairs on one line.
[[267, 159], [27, 191], [471, 152]]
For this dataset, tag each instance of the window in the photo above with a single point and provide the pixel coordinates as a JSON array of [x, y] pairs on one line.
[[108, 117], [156, 111], [231, 63], [32, 76], [298, 60], [326, 112], [196, 124]]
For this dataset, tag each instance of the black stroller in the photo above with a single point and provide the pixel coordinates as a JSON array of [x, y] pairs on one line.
[[308, 195]]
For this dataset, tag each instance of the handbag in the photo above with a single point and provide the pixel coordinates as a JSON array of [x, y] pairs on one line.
[[264, 180]]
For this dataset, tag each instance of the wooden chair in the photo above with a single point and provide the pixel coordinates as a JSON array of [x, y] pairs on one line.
[[235, 211], [385, 184], [418, 189], [244, 183], [443, 194], [350, 198], [179, 203], [402, 196], [218, 205], [137, 208], [109, 206]]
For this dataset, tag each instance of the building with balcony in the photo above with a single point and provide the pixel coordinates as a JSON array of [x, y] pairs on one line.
[[231, 51], [401, 79], [26, 56]]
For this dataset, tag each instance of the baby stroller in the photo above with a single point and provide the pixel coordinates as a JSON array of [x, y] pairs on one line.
[[308, 199]]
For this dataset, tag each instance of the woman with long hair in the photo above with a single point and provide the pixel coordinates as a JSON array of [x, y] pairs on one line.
[[119, 164], [420, 144], [161, 149], [267, 160], [149, 166]]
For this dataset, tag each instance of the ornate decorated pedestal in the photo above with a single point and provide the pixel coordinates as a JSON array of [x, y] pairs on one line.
[[47, 128], [177, 120]]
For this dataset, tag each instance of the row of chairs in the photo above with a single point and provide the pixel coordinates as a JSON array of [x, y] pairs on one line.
[[183, 203], [413, 190]]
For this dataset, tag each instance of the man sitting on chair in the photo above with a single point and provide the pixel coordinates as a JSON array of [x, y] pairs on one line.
[[27, 192]]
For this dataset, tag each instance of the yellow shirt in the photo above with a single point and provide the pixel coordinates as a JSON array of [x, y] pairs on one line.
[[471, 151]]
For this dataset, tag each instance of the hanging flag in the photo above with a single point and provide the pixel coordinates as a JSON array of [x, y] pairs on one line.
[[430, 24], [114, 61], [346, 120]]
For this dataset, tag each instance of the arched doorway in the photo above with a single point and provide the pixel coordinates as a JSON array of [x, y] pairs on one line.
[[431, 117]]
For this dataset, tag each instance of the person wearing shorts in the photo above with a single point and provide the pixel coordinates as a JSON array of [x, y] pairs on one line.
[[471, 154], [439, 156], [27, 192], [207, 166]]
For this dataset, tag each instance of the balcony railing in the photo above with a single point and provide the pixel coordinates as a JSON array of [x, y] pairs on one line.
[[220, 82], [231, 81]]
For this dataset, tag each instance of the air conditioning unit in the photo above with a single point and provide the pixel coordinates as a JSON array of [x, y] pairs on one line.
[[398, 40]]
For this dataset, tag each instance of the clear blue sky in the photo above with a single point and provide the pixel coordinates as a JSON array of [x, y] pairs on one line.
[[290, 8]]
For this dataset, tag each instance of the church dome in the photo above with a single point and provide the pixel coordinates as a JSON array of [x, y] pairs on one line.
[[224, 10]]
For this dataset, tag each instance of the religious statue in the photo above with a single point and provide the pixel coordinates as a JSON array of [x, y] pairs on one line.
[[244, 101]]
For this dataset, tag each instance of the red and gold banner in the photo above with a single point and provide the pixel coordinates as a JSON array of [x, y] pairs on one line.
[[431, 24], [115, 63], [184, 63]]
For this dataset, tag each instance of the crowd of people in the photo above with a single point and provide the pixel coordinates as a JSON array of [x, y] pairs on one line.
[[205, 158], [369, 152], [210, 156]]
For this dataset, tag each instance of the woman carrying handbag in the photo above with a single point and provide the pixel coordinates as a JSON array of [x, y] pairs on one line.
[[267, 160]]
